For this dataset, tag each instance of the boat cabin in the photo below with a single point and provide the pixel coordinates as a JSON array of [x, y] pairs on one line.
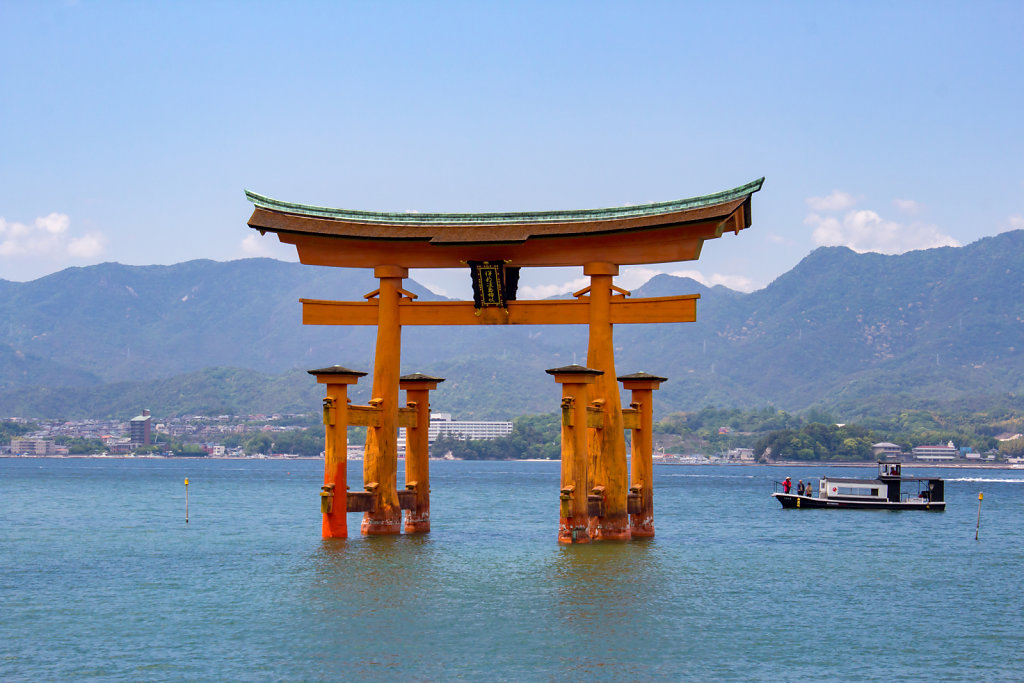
[[888, 487], [854, 489]]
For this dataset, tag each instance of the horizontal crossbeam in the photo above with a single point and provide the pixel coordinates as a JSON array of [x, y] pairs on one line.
[[662, 309]]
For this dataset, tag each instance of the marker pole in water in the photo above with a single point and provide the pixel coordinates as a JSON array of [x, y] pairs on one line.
[[978, 525], [186, 500]]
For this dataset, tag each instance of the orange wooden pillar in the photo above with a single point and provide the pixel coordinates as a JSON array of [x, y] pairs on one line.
[[380, 461], [642, 386], [333, 494], [573, 509], [610, 478], [417, 389]]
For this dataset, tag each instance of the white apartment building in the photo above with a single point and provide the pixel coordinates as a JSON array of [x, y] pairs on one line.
[[948, 452], [442, 424], [885, 449]]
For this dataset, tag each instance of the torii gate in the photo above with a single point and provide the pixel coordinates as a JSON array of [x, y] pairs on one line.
[[496, 246]]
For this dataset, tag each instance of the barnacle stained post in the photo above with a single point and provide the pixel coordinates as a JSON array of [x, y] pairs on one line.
[[574, 517], [333, 494], [417, 389], [641, 490]]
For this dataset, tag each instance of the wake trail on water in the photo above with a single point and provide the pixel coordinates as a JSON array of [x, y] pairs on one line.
[[985, 480]]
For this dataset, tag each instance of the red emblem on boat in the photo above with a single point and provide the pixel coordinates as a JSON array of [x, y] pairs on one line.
[[833, 489]]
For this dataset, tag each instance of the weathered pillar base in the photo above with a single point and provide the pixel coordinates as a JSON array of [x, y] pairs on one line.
[[334, 524], [641, 526], [569, 534], [613, 528], [384, 525], [419, 524]]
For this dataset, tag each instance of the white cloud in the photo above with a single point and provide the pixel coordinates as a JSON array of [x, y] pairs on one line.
[[631, 277], [252, 245], [837, 201], [256, 245], [47, 237], [836, 223], [907, 206], [54, 224], [88, 246], [865, 230], [1016, 222], [545, 291]]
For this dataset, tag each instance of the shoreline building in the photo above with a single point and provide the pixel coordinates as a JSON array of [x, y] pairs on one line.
[[947, 452], [885, 449], [442, 425], [36, 447], [140, 429]]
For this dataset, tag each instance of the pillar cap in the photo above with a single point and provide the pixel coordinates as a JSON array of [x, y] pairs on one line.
[[574, 374], [641, 380], [419, 377], [336, 374], [418, 380]]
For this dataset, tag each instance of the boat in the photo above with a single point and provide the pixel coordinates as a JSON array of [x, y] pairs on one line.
[[890, 491]]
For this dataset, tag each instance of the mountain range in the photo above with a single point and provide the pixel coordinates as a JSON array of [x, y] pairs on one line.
[[850, 332]]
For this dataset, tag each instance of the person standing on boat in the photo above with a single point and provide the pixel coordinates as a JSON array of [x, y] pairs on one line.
[[786, 484], [800, 488]]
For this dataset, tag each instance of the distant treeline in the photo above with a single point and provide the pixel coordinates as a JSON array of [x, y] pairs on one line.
[[819, 435]]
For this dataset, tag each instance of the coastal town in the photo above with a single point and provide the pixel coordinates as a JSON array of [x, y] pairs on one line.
[[220, 436], [248, 436]]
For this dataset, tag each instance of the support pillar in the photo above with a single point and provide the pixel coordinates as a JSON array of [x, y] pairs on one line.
[[641, 492], [417, 389], [573, 505], [380, 461], [333, 494], [610, 464]]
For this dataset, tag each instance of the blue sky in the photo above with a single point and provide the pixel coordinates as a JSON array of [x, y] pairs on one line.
[[129, 130]]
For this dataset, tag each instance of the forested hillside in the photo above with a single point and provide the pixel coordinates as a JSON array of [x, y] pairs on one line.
[[859, 334]]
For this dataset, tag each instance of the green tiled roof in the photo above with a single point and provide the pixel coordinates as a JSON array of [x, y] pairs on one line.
[[393, 218]]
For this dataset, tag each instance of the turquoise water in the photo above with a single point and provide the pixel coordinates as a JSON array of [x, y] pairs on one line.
[[100, 578]]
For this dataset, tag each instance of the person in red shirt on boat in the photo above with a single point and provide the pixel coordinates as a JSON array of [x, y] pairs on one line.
[[786, 484]]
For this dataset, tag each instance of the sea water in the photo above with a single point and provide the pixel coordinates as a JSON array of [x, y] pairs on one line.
[[102, 579]]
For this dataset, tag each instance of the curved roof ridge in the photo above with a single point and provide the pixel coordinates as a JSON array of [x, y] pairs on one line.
[[575, 215]]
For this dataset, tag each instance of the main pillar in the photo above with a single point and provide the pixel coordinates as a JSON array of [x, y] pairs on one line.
[[610, 466], [380, 461], [573, 517], [417, 389], [333, 494], [642, 386]]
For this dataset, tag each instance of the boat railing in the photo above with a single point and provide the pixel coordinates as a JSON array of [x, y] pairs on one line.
[[809, 492]]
